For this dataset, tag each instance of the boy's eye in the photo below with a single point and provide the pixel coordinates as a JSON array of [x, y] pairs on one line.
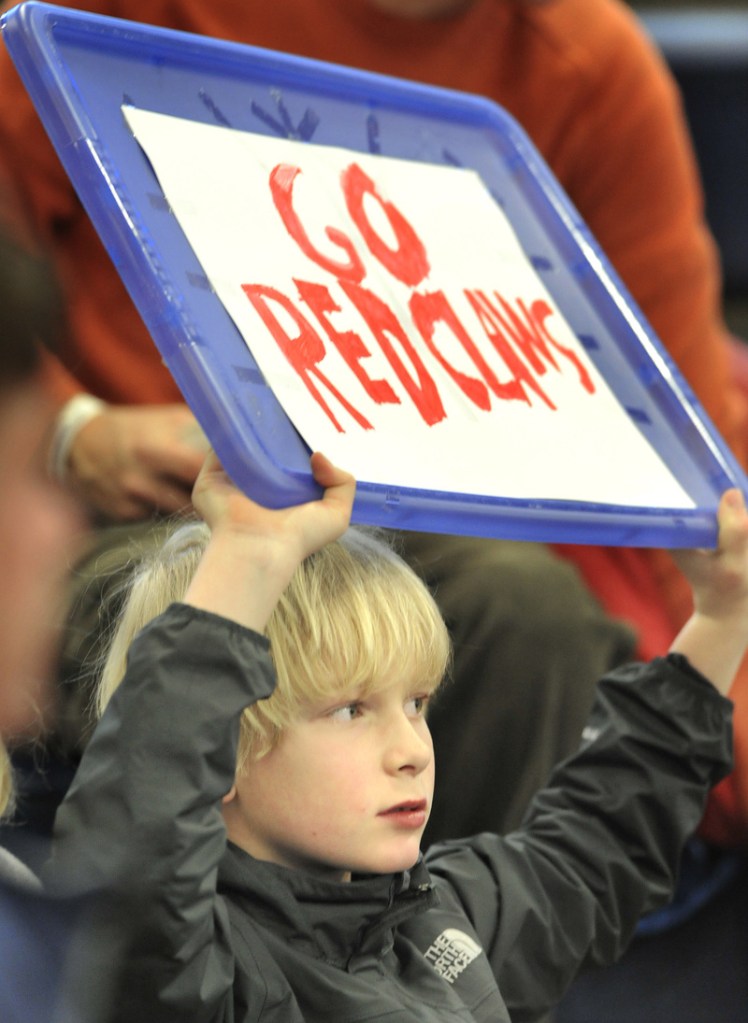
[[348, 712], [415, 707]]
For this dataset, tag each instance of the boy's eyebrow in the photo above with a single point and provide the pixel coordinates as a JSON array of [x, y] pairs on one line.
[[415, 687], [325, 700], [422, 688]]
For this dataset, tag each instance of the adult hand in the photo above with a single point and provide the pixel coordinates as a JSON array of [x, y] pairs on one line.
[[130, 462]]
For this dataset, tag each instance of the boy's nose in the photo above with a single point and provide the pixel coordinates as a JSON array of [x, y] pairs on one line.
[[407, 749]]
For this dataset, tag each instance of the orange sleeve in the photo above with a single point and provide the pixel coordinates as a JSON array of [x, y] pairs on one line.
[[628, 164], [100, 313]]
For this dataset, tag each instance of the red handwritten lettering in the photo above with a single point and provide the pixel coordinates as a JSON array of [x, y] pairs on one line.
[[518, 332], [408, 261], [496, 330], [386, 327], [541, 311], [282, 180], [304, 351], [532, 337], [347, 342], [429, 309]]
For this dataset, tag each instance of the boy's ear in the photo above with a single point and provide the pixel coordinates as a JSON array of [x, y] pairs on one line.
[[230, 796]]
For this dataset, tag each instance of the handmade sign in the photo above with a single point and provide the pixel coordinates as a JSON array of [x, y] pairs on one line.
[[381, 269], [397, 319]]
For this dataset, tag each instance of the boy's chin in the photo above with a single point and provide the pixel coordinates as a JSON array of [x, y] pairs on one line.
[[395, 863]]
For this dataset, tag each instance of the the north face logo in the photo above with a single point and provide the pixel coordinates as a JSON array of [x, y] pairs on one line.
[[451, 953]]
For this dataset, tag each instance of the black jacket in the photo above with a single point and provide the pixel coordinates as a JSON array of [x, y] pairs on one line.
[[488, 929]]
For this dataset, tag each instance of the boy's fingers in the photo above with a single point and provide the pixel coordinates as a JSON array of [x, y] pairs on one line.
[[732, 510], [732, 500], [328, 475], [339, 486], [733, 520], [322, 468]]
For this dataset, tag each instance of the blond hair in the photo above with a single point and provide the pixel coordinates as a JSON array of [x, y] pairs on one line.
[[353, 617], [7, 793]]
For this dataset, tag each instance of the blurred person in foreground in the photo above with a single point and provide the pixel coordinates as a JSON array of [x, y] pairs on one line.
[[58, 954]]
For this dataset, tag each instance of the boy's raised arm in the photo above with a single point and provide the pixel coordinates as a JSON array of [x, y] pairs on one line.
[[716, 636], [254, 551], [144, 812], [601, 843]]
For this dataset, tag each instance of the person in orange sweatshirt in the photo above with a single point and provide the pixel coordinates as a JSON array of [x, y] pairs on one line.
[[587, 85]]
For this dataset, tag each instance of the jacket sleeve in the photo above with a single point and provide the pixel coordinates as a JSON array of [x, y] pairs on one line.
[[144, 812], [600, 845]]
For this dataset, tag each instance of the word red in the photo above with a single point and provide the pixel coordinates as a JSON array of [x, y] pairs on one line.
[[302, 325]]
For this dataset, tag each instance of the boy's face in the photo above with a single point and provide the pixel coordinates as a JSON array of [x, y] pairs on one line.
[[347, 789]]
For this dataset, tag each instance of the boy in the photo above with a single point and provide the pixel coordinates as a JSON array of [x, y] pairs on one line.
[[318, 907]]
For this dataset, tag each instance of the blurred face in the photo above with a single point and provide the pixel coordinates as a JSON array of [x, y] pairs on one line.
[[421, 8], [37, 524], [347, 789]]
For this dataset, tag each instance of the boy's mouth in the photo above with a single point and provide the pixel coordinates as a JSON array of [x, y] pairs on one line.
[[414, 804], [410, 814]]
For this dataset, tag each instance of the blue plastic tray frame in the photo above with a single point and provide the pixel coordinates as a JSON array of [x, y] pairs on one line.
[[80, 68]]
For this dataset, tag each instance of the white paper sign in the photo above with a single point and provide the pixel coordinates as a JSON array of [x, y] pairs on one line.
[[392, 311]]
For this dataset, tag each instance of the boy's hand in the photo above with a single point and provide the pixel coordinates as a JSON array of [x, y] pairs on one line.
[[719, 578], [306, 527], [716, 636], [253, 550]]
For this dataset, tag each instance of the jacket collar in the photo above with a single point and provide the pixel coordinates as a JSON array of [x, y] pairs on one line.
[[329, 920]]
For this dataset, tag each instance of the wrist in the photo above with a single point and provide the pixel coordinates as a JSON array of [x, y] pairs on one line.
[[714, 645], [71, 419], [241, 577]]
